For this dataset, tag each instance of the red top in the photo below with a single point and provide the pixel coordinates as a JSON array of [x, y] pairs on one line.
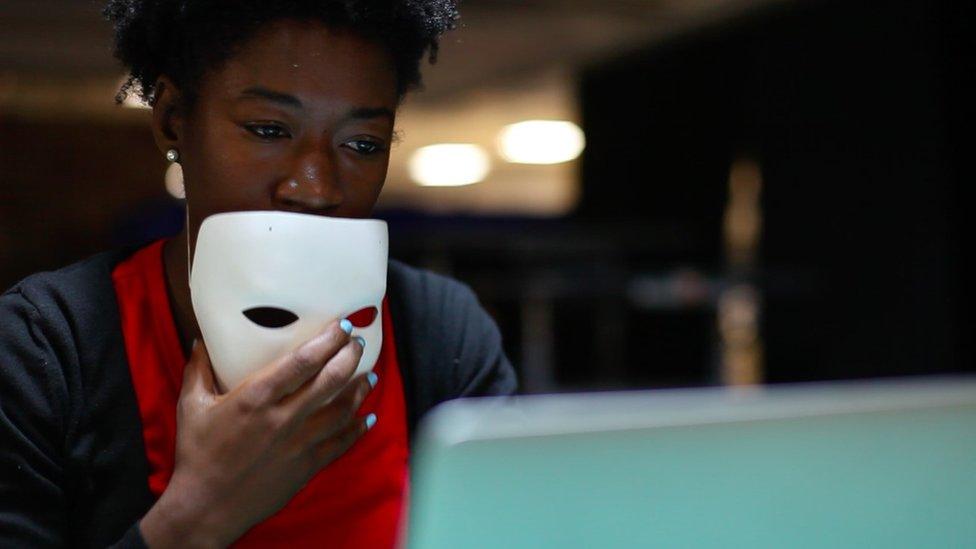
[[356, 501]]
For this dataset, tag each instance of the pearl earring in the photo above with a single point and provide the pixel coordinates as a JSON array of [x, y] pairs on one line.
[[172, 155]]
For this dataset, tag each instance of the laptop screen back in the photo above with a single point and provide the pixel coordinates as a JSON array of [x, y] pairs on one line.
[[883, 464]]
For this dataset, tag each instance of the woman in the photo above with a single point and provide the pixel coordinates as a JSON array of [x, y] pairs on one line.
[[112, 431]]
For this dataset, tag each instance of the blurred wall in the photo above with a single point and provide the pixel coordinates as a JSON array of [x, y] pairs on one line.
[[69, 189], [856, 113]]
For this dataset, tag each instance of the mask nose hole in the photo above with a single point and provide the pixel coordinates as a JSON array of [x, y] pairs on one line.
[[363, 317], [270, 317]]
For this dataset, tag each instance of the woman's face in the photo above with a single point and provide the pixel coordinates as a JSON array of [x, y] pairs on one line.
[[300, 119]]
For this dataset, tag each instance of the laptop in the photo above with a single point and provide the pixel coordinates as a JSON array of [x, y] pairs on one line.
[[855, 464]]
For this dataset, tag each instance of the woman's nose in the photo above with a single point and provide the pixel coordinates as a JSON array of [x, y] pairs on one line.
[[312, 185]]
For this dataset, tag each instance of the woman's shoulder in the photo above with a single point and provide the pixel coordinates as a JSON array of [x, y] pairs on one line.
[[435, 306], [78, 287], [66, 313], [427, 289], [451, 345]]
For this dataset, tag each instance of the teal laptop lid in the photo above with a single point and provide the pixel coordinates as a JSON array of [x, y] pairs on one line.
[[866, 464]]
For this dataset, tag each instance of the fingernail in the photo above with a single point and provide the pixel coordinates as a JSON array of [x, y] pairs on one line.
[[372, 378], [361, 341], [370, 421], [346, 326]]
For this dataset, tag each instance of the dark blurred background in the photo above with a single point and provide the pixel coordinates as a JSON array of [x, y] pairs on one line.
[[770, 191]]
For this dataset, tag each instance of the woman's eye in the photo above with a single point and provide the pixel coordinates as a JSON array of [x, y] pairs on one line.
[[267, 131], [364, 147]]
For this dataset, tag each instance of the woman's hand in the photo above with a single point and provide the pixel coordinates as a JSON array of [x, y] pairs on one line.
[[241, 456]]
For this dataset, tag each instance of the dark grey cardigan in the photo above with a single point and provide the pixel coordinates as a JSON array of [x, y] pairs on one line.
[[73, 468]]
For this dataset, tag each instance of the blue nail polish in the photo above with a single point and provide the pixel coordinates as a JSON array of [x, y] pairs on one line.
[[361, 341], [370, 421], [346, 326], [372, 378]]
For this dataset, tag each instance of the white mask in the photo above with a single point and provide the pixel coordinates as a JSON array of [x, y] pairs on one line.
[[318, 269]]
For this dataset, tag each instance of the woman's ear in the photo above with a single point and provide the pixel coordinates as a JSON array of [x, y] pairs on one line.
[[168, 117]]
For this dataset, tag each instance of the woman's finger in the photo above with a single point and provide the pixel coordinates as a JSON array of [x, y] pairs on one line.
[[327, 420], [282, 377], [322, 388], [329, 449]]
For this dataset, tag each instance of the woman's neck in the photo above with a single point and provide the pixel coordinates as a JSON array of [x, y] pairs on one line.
[[176, 267]]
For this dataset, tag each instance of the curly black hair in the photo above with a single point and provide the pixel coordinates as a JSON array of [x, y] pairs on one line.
[[183, 39]]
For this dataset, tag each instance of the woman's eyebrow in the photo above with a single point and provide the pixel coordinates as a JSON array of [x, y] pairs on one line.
[[365, 113], [271, 95], [356, 113]]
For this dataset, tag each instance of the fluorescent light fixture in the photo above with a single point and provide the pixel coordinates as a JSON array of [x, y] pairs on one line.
[[174, 181], [449, 165], [541, 142]]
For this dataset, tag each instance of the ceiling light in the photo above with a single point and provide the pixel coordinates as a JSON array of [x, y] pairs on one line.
[[541, 142], [131, 99], [449, 165]]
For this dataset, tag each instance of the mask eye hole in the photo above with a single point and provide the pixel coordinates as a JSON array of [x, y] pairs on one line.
[[270, 317], [363, 317]]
